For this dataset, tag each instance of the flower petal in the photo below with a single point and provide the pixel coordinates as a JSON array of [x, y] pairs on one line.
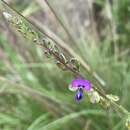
[[71, 88], [86, 84]]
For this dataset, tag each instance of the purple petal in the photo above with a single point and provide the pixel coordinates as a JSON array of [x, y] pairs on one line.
[[79, 94], [82, 83]]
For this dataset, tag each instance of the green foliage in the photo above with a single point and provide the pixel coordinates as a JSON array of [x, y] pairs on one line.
[[122, 16], [34, 93]]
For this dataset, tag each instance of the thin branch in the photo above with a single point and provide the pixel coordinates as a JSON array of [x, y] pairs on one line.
[[60, 21]]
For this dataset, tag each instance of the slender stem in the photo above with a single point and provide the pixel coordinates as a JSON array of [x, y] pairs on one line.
[[60, 21]]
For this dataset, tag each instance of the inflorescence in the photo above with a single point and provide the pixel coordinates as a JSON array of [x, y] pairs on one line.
[[79, 85]]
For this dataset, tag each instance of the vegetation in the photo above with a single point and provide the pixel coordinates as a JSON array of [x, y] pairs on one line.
[[90, 41]]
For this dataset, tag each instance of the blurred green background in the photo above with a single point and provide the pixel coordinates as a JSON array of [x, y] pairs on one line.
[[34, 92]]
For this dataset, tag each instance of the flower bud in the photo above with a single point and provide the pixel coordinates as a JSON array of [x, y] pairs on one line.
[[7, 15], [94, 96], [127, 123]]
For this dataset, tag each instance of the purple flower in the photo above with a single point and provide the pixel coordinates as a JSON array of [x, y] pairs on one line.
[[79, 85]]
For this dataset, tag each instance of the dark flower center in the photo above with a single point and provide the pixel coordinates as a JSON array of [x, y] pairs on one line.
[[81, 86]]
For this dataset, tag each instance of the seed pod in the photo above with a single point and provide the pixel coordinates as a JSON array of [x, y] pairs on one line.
[[7, 16], [63, 58], [45, 42], [34, 40], [60, 65], [75, 64], [49, 44], [47, 53], [56, 50]]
